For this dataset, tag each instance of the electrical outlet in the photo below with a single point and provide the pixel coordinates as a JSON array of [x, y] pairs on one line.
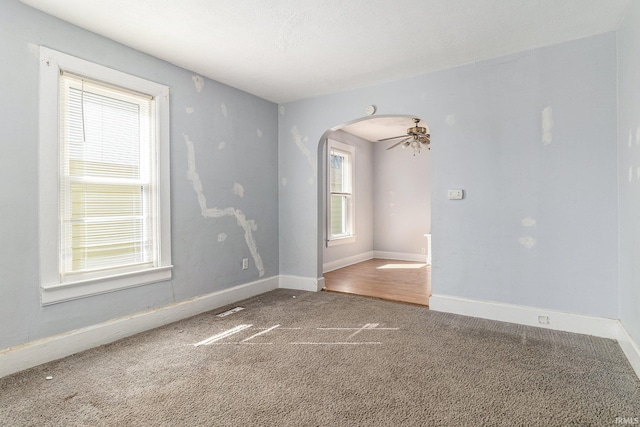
[[457, 194], [544, 320], [245, 263]]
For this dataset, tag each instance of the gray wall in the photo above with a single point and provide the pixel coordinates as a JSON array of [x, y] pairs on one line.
[[203, 264], [629, 169], [402, 199], [538, 226], [363, 196]]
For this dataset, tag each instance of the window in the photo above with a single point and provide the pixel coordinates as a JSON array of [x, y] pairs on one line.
[[340, 215], [104, 184]]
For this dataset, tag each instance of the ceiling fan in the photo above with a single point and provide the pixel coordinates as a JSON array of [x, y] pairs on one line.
[[415, 138]]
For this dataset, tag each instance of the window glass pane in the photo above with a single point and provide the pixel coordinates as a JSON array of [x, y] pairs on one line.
[[337, 173], [338, 215]]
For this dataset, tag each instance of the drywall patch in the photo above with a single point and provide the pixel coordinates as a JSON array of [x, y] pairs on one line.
[[527, 241], [223, 108], [222, 237], [450, 120], [638, 135], [189, 110], [283, 180], [198, 82], [630, 138], [221, 145], [630, 173], [528, 222], [638, 173], [34, 49], [281, 109], [301, 142], [247, 225], [238, 189], [259, 132], [311, 181], [547, 125]]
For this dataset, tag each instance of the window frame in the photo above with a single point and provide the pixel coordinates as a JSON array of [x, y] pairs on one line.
[[350, 236], [53, 288]]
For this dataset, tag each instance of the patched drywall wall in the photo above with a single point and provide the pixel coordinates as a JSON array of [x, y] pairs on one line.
[[224, 184], [629, 169], [492, 137]]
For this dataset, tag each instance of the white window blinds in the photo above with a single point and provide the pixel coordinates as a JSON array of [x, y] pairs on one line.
[[106, 189]]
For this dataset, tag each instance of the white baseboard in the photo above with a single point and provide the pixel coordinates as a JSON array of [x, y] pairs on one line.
[[524, 315], [558, 320], [630, 348], [301, 283], [400, 256], [344, 262], [15, 359]]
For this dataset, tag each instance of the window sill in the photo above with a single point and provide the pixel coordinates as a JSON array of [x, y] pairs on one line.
[[61, 292], [341, 240]]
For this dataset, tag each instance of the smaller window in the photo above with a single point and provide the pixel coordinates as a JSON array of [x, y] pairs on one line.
[[340, 204]]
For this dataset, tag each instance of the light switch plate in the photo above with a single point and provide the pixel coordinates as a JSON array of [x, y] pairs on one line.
[[457, 194]]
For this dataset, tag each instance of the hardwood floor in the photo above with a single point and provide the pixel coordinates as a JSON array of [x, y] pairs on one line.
[[405, 281]]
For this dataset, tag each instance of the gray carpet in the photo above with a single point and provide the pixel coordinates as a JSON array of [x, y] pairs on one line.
[[334, 360]]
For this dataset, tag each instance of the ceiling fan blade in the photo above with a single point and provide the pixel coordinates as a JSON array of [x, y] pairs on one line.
[[393, 137], [398, 143]]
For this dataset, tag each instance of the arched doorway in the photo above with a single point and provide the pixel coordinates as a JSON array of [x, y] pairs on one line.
[[385, 253]]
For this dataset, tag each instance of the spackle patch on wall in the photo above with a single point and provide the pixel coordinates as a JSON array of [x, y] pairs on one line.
[[638, 173], [283, 181], [189, 110], [259, 132], [222, 237], [638, 135], [450, 120], [198, 82], [630, 173], [238, 189], [247, 225], [527, 241], [223, 108], [528, 222], [311, 181], [630, 138], [221, 145], [34, 49], [547, 125], [281, 109], [301, 142]]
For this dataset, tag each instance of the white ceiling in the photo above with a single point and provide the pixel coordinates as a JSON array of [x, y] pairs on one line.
[[285, 50]]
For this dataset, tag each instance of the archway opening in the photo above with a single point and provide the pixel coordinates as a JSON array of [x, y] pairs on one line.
[[373, 236]]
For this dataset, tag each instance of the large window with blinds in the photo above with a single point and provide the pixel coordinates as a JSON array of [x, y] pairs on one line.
[[111, 193], [106, 141], [340, 203]]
